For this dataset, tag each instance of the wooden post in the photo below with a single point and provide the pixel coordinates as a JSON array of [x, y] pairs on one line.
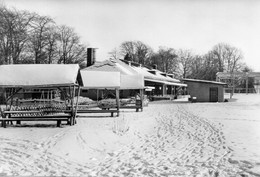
[[76, 109], [70, 93], [163, 89], [247, 85], [117, 101], [97, 94], [172, 97], [72, 105], [142, 98]]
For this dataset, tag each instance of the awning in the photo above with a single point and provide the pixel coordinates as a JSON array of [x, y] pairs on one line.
[[176, 84], [100, 79], [38, 75], [167, 83]]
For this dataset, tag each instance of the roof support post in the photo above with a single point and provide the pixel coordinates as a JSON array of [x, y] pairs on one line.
[[72, 106], [164, 90], [117, 101], [77, 102], [142, 98], [171, 92], [247, 85]]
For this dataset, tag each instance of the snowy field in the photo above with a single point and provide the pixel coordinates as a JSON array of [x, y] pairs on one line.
[[166, 139]]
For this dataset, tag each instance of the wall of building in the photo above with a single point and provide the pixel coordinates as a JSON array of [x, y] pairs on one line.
[[202, 91]]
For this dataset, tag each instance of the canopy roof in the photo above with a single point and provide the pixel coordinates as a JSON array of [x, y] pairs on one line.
[[204, 81], [38, 75], [167, 83], [100, 79], [157, 76], [129, 78]]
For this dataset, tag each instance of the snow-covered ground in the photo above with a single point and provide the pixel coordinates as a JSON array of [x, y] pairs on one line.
[[166, 139]]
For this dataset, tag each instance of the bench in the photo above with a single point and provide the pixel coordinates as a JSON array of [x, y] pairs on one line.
[[132, 107], [19, 116], [19, 119], [112, 111], [137, 105]]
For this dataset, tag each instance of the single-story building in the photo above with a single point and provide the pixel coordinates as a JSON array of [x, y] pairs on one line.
[[164, 85], [204, 90]]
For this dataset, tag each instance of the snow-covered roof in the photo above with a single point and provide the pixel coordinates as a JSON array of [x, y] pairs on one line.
[[100, 79], [29, 75], [129, 78], [167, 83], [112, 65], [155, 76]]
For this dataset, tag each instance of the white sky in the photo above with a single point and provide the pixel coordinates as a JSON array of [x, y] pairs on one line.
[[190, 24]]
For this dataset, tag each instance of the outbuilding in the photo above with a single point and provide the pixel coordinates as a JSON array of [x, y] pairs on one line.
[[204, 90]]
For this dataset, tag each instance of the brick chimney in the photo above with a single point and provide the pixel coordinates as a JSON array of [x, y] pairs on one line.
[[91, 56]]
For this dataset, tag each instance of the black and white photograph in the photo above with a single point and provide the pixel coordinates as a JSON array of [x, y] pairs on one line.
[[130, 88]]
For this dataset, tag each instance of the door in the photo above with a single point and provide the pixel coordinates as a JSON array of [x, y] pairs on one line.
[[213, 94]]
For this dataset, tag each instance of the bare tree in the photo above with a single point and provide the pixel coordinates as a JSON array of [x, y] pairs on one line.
[[166, 59], [220, 54], [114, 54], [39, 37], [231, 61], [14, 33], [197, 65], [128, 49], [69, 48], [51, 46], [185, 58], [143, 52], [234, 57], [136, 51], [229, 57], [30, 38]]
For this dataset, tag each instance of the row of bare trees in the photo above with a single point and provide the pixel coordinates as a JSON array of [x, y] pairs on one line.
[[31, 38], [221, 58]]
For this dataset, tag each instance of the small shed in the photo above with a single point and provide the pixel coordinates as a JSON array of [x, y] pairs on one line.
[[205, 91]]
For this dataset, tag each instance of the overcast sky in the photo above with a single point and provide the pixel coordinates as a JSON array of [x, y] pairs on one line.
[[190, 24]]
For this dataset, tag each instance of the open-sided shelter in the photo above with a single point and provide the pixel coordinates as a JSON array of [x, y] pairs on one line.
[[100, 80], [131, 82], [51, 88]]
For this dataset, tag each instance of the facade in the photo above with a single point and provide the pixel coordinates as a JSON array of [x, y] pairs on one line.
[[163, 85], [205, 91]]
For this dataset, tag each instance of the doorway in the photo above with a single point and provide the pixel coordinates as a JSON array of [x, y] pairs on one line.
[[213, 94]]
